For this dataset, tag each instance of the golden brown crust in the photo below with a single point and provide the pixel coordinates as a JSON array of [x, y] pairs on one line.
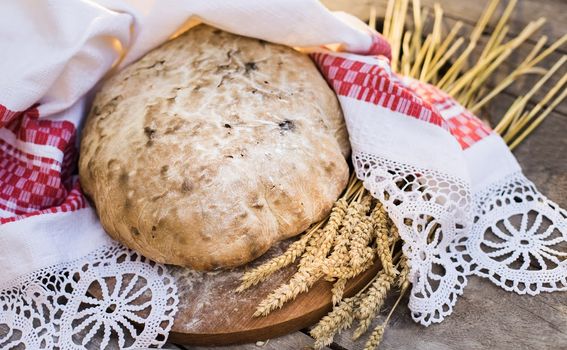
[[213, 147]]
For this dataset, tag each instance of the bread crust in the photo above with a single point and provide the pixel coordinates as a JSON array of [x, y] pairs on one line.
[[213, 147]]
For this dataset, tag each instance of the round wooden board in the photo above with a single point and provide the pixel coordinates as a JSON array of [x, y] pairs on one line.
[[212, 313]]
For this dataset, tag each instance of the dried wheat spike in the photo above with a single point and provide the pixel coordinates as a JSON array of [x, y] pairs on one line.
[[338, 290], [359, 243], [321, 245], [340, 262], [340, 255], [403, 278], [337, 320], [354, 216], [337, 215], [259, 274], [342, 241], [394, 233], [347, 272], [299, 283], [313, 246], [375, 338], [371, 301], [382, 232]]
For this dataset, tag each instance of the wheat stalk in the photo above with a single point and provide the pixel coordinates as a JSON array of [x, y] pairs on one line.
[[294, 251], [299, 283]]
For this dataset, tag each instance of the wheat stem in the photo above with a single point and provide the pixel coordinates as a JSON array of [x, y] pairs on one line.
[[435, 40], [539, 119]]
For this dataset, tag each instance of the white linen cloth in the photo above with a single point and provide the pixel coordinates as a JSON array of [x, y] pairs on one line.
[[451, 185]]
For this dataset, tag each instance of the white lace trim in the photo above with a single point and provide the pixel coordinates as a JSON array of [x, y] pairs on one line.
[[112, 298], [430, 209], [518, 240]]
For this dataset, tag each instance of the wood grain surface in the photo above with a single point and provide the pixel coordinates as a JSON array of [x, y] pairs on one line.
[[469, 11], [211, 312]]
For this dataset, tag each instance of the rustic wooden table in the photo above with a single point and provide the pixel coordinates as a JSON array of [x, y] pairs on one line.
[[486, 316]]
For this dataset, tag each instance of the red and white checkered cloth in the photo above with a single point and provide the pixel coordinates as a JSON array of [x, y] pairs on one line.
[[450, 184]]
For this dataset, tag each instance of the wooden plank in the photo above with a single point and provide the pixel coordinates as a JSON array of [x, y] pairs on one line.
[[293, 341], [525, 11], [470, 12], [523, 84]]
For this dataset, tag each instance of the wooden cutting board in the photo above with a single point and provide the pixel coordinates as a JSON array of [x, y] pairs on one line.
[[212, 313]]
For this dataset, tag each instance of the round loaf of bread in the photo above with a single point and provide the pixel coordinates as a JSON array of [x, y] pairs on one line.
[[213, 147]]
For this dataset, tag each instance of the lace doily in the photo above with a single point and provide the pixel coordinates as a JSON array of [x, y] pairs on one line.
[[518, 240], [429, 209], [113, 298]]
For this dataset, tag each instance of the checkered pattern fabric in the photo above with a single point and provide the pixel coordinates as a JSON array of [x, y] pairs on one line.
[[372, 83], [463, 125], [30, 128], [73, 200], [436, 97], [30, 181], [379, 47], [7, 115], [468, 129]]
